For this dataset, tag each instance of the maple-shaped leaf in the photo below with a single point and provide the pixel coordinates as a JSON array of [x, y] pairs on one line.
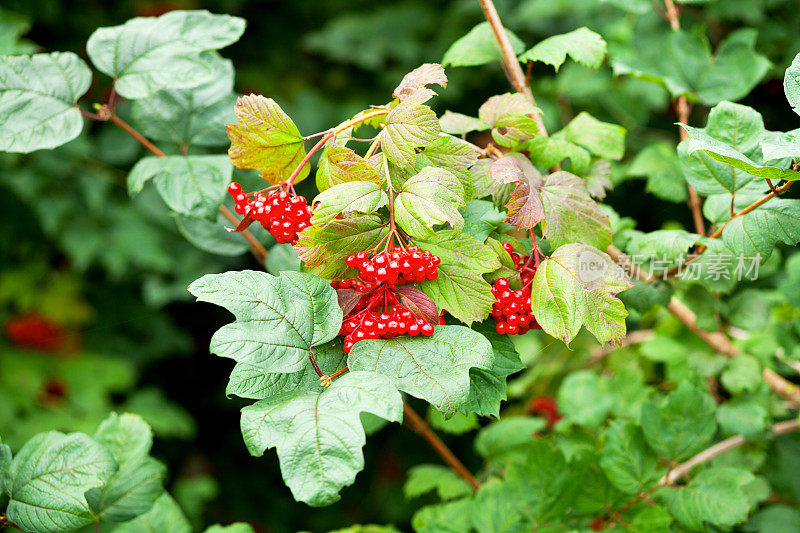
[[577, 286], [323, 249], [431, 197], [418, 303], [279, 319], [408, 126], [561, 200], [455, 155], [434, 368], [511, 118], [460, 288], [339, 164], [265, 139], [358, 196], [420, 77], [319, 435]]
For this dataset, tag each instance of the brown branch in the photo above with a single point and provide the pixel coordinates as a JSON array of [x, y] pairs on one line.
[[716, 339], [721, 447], [517, 77], [417, 424], [782, 386]]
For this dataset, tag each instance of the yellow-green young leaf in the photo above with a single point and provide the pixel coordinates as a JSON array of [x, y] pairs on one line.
[[358, 196], [318, 435], [577, 286], [131, 490], [419, 78], [37, 100], [191, 185], [408, 126], [278, 318], [458, 124], [603, 139], [681, 426], [266, 139], [510, 117], [435, 368], [431, 197], [455, 155], [148, 54], [323, 249], [343, 165], [548, 152], [460, 288], [74, 463], [582, 45], [165, 516], [478, 47]]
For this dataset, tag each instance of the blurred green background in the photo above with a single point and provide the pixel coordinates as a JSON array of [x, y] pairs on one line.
[[104, 277]]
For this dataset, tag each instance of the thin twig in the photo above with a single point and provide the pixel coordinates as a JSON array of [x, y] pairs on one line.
[[516, 76], [716, 339], [782, 386], [758, 203], [416, 423], [718, 449]]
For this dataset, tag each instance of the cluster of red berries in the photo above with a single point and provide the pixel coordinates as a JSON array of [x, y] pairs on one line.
[[355, 284], [381, 316], [396, 267], [512, 308], [33, 331], [283, 214]]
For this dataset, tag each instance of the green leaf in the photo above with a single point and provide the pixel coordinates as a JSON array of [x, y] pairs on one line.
[[715, 496], [495, 510], [600, 138], [699, 140], [478, 47], [282, 257], [425, 478], [791, 84], [237, 527], [584, 399], [435, 368], [196, 116], [191, 185], [279, 319], [342, 165], [323, 249], [460, 288], [629, 464], [682, 425], [455, 155], [548, 152], [408, 126], [495, 441], [737, 126], [211, 236], [148, 54], [510, 117], [756, 233], [266, 139], [668, 246], [74, 463], [458, 124], [774, 519], [575, 287], [488, 387], [745, 416], [450, 517], [544, 483], [582, 45], [742, 374], [38, 96], [133, 489], [164, 517], [318, 435], [481, 219], [5, 468], [358, 196], [659, 164], [431, 197]]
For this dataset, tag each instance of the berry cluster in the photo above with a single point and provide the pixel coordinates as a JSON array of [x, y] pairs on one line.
[[283, 214], [381, 316], [512, 308], [33, 331], [397, 267]]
